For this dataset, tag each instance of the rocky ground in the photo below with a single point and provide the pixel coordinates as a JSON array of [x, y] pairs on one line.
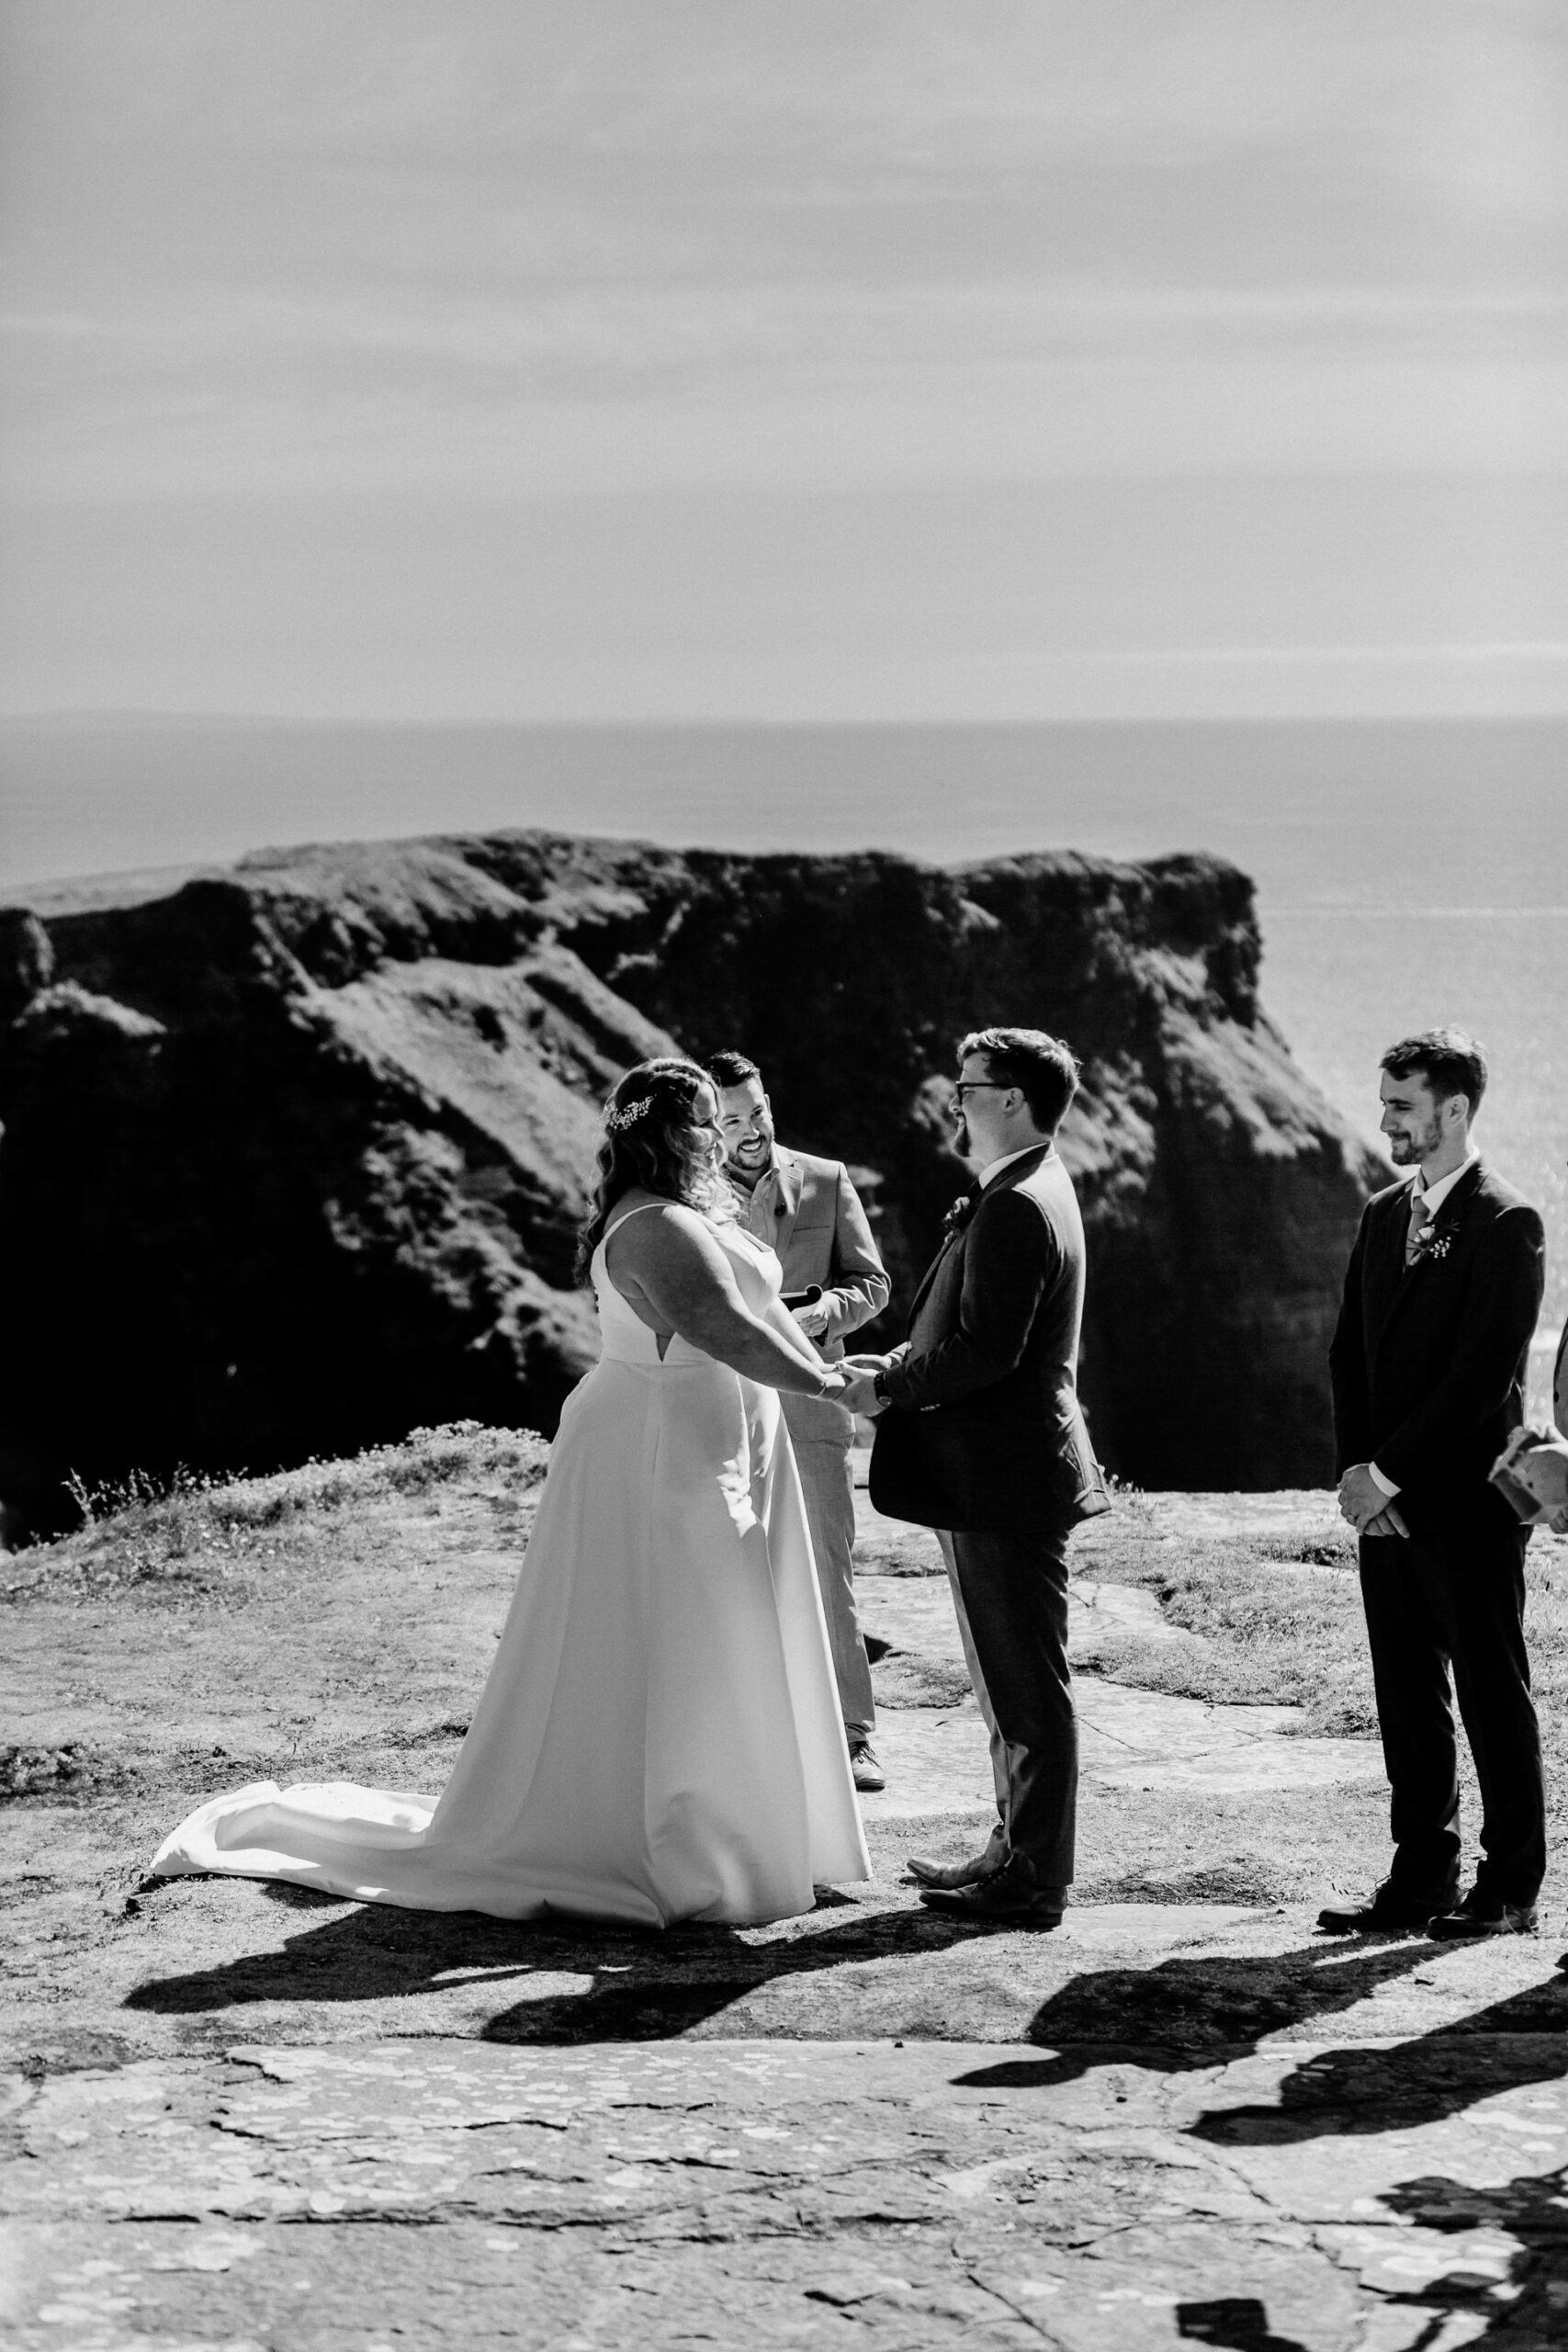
[[243, 2117]]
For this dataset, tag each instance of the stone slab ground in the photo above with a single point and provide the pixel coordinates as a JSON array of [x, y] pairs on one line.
[[250, 2119]]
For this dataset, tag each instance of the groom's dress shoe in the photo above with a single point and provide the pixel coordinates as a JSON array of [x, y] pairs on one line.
[[1009, 1898], [951, 1874], [1389, 1908], [866, 1773]]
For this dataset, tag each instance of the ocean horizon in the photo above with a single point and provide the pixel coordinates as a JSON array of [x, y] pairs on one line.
[[1408, 871]]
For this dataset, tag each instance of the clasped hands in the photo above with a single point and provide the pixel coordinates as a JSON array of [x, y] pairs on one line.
[[1363, 1502], [859, 1394]]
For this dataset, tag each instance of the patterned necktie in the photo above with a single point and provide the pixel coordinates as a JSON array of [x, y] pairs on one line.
[[1420, 1218]]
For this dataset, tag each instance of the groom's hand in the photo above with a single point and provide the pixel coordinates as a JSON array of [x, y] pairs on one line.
[[859, 1394], [1361, 1500], [1388, 1522]]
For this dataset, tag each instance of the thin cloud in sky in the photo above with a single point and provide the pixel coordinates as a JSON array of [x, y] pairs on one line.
[[370, 249]]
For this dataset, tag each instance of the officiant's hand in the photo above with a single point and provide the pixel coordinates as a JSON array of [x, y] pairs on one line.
[[865, 1364], [813, 1319]]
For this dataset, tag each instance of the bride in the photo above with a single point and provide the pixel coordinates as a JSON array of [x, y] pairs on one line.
[[658, 1738]]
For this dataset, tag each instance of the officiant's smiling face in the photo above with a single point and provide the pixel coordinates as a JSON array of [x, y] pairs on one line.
[[746, 1123]]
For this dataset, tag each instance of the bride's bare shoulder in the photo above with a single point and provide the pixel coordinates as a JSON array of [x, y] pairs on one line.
[[669, 1223]]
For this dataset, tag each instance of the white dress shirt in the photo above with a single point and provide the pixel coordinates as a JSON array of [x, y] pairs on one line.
[[1434, 1195], [995, 1167]]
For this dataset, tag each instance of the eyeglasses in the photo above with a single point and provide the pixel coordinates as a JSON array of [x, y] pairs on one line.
[[978, 1086]]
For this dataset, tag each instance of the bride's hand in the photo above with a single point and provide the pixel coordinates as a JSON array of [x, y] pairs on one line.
[[860, 1395]]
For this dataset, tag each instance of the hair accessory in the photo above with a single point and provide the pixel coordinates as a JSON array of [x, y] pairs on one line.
[[617, 1119]]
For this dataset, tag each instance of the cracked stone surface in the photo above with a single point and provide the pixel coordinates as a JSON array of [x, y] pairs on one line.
[[245, 2119], [736, 2191]]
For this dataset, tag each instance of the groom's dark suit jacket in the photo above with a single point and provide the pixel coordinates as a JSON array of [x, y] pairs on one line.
[[984, 1431], [1427, 1362]]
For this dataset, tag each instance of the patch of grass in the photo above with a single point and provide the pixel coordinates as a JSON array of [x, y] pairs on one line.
[[911, 1552], [71, 1770], [1277, 1621], [190, 1534]]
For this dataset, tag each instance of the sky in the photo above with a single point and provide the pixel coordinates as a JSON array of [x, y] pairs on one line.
[[656, 359]]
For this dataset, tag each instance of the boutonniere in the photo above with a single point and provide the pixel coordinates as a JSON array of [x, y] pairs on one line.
[[959, 1214], [1435, 1242]]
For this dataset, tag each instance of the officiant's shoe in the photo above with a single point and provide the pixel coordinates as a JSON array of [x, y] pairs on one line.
[[1483, 1914], [1391, 1907], [1011, 1897], [973, 1872], [868, 1773]]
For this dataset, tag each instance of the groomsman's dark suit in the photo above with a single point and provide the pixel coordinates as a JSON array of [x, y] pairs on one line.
[[985, 1437], [1427, 1364]]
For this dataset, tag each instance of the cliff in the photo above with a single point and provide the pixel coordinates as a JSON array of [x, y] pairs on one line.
[[294, 1151]]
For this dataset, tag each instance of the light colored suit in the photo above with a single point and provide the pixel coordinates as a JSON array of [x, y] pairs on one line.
[[808, 1211]]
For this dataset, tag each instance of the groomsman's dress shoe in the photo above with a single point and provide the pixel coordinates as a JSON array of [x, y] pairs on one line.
[[1011, 1897], [1483, 1914], [1390, 1907], [868, 1773]]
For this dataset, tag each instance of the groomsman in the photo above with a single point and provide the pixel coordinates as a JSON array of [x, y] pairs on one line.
[[808, 1211], [1427, 1366], [981, 1437]]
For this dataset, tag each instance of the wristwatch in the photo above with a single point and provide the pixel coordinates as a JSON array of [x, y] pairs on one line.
[[879, 1385]]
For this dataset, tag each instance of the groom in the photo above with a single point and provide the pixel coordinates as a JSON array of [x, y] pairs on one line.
[[981, 1436]]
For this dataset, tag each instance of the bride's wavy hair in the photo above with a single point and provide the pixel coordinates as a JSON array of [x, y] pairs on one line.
[[651, 1139]]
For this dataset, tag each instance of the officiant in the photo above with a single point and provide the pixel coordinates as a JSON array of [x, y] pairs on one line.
[[807, 1209]]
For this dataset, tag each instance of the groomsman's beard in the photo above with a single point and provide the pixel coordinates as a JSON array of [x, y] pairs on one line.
[[1409, 1151]]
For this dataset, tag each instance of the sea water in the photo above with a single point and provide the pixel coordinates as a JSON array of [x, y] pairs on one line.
[[1408, 872]]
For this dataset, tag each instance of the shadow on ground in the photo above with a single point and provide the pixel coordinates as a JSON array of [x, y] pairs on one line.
[[1192, 2012], [645, 1986], [1178, 2013], [1365, 2089], [1238, 2323]]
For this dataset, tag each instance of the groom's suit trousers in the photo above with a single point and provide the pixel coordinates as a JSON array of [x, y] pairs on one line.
[[1010, 1594]]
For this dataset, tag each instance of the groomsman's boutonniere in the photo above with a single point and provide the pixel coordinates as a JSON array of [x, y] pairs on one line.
[[1436, 1242]]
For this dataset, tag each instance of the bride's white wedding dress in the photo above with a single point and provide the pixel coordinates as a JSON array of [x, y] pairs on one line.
[[660, 1736]]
